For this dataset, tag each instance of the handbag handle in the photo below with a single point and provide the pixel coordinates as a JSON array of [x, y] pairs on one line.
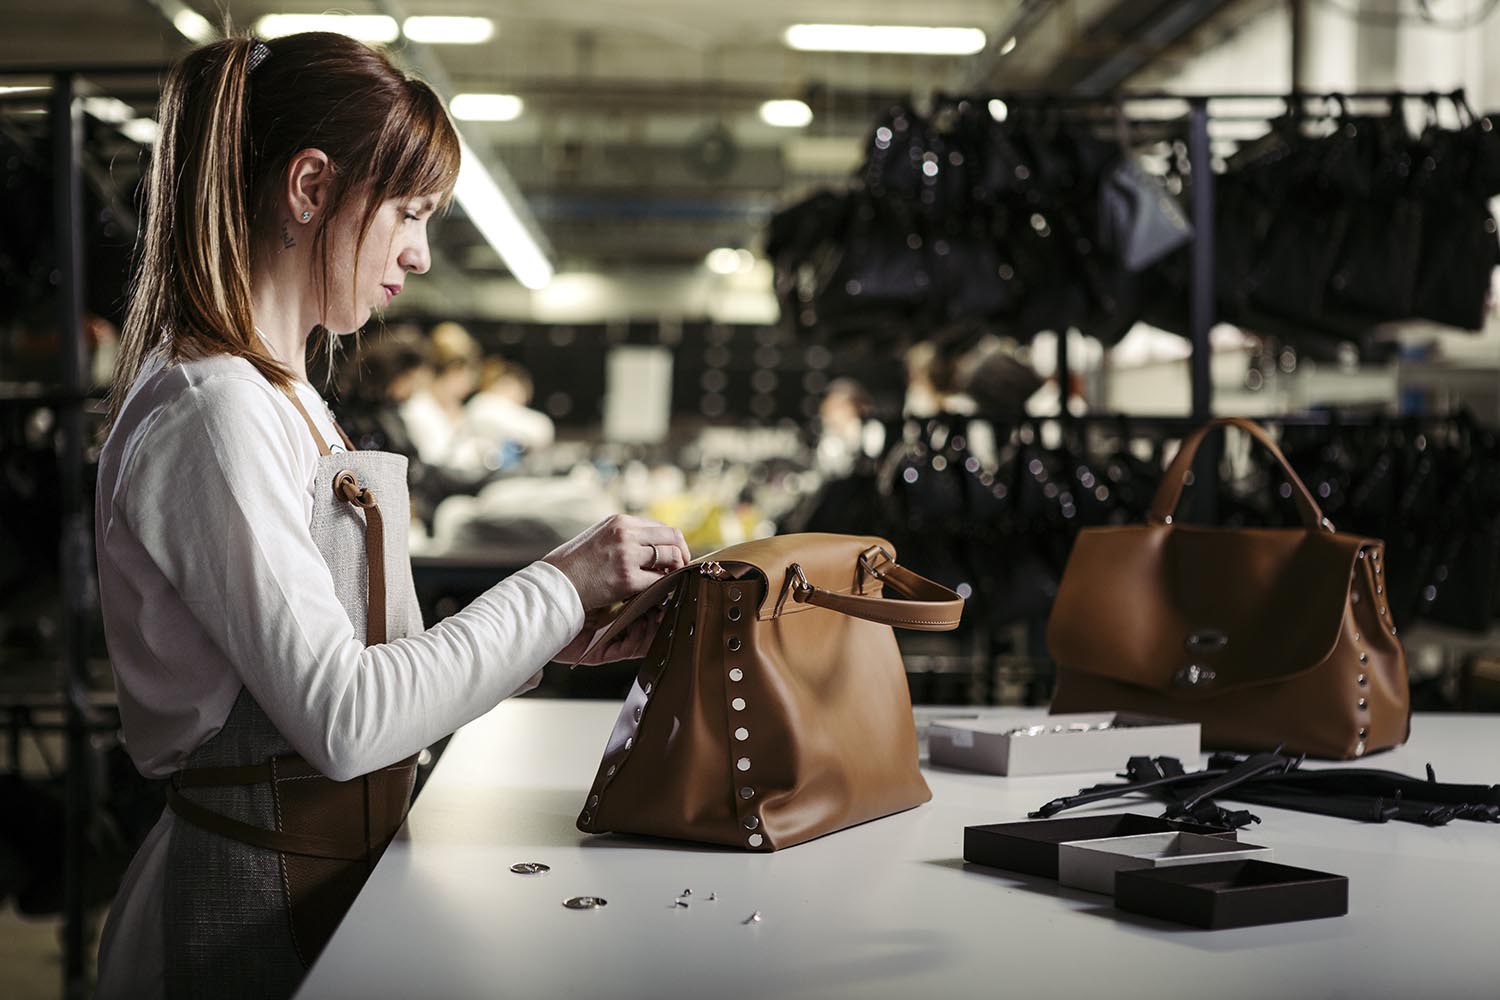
[[1170, 491], [929, 606]]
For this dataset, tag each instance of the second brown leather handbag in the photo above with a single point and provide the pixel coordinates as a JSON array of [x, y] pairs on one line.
[[773, 705], [1267, 637]]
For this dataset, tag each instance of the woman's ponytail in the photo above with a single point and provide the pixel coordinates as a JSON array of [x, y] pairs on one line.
[[192, 280]]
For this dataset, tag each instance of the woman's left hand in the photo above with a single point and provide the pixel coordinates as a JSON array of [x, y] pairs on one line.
[[631, 644]]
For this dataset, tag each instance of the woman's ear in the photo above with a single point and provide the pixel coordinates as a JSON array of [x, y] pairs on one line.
[[309, 181]]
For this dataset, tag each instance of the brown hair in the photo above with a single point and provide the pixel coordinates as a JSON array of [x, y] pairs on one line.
[[227, 133]]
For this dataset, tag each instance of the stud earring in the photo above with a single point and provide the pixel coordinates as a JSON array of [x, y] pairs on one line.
[[306, 216]]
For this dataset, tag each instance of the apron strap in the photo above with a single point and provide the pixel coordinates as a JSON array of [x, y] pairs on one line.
[[347, 488]]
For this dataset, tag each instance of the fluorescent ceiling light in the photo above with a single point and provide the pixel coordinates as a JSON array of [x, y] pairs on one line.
[[449, 30], [486, 107], [193, 26], [786, 114], [141, 130], [365, 27], [902, 39], [1009, 46], [20, 90], [998, 110], [108, 109], [497, 221]]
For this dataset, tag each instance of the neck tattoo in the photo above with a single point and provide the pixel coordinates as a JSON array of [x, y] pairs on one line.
[[287, 242]]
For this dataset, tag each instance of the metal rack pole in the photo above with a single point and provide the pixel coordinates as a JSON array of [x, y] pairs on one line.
[[67, 219]]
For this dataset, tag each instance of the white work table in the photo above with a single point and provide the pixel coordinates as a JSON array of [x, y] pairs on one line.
[[887, 909]]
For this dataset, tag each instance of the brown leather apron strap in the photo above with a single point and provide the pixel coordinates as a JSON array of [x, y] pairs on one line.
[[308, 845], [346, 487], [311, 427]]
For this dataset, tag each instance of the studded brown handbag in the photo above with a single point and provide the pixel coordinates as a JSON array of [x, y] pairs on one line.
[[1266, 637], [773, 705]]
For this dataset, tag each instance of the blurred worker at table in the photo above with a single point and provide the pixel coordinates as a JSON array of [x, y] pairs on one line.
[[499, 416], [374, 387], [434, 414]]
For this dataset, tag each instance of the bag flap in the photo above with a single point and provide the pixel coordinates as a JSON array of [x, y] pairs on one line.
[[1144, 604], [830, 561]]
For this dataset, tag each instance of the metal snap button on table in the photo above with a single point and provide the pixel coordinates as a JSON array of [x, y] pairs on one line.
[[585, 903], [530, 868]]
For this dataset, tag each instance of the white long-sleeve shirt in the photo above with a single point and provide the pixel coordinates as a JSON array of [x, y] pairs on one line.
[[209, 580]]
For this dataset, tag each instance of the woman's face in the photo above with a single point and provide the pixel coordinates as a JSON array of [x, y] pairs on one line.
[[395, 247]]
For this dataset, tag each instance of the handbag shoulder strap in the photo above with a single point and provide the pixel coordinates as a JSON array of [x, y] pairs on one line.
[[925, 606], [1170, 491]]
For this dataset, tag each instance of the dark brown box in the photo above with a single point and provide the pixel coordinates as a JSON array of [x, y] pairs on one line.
[[1030, 846], [1232, 894]]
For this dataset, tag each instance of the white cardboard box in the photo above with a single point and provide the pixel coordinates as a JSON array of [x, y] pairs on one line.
[[1000, 746]]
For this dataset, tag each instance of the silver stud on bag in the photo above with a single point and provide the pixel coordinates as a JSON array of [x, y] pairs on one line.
[[734, 614], [736, 674], [743, 763], [747, 793], [752, 822], [1362, 680], [1363, 732], [629, 742], [611, 772], [1363, 704], [742, 733], [738, 704], [649, 687], [734, 643], [734, 593], [593, 801], [1359, 749], [638, 713], [756, 840]]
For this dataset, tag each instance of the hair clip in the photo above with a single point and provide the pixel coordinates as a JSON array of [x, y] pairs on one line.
[[258, 53]]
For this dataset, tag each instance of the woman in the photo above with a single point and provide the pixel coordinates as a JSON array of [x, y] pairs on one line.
[[257, 598]]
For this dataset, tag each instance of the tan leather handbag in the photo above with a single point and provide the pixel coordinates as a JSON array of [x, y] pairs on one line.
[[773, 705], [1267, 637]]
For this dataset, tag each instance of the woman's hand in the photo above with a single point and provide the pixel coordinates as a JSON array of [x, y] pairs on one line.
[[618, 558], [631, 644]]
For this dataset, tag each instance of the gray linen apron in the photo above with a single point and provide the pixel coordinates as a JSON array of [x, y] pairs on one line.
[[228, 928]]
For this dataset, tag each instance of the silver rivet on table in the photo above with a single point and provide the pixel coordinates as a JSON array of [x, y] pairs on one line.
[[751, 822], [738, 704], [747, 793], [742, 733], [736, 674], [530, 868], [753, 918], [756, 840], [743, 763], [734, 593], [734, 643], [734, 614], [585, 903], [680, 904]]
